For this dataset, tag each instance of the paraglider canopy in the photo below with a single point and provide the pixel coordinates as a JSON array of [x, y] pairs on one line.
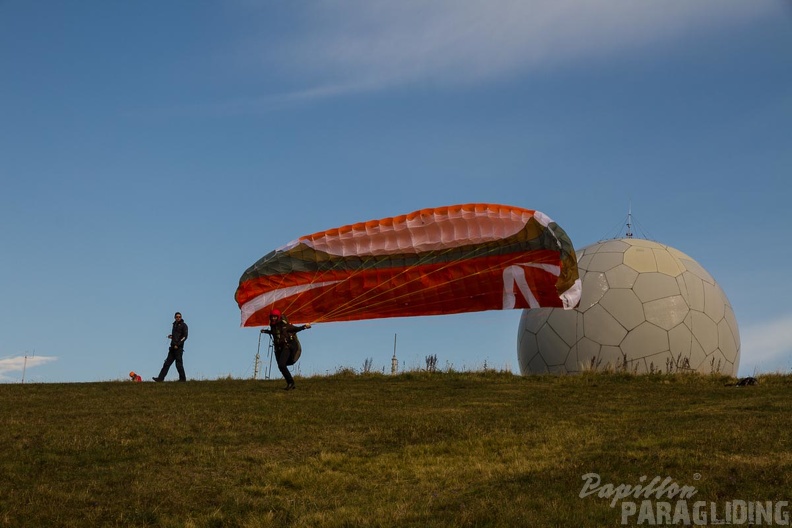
[[443, 260]]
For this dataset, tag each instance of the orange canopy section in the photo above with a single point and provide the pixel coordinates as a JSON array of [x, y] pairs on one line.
[[443, 260]]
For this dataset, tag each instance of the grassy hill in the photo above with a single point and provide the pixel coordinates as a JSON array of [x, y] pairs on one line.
[[417, 449]]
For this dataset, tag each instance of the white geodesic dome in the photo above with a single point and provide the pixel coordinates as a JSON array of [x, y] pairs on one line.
[[646, 307]]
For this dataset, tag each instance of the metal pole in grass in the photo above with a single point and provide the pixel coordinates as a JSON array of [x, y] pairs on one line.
[[257, 362], [270, 353], [394, 361]]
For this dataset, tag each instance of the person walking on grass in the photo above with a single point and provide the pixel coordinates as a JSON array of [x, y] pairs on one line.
[[285, 344], [176, 350]]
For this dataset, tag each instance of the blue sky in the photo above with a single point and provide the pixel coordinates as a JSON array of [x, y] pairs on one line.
[[152, 151]]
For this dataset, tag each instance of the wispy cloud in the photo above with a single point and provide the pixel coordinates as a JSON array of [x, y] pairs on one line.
[[20, 363], [767, 347], [348, 46]]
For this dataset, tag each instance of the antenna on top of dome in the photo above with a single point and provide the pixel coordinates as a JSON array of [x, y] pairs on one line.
[[626, 229], [629, 221]]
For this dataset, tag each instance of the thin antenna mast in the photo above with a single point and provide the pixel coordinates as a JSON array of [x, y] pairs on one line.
[[629, 221], [257, 362]]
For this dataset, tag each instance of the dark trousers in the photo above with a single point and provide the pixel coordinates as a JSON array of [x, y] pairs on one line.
[[282, 357], [174, 354]]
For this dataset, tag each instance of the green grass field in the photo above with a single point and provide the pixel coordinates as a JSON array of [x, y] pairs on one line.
[[417, 449]]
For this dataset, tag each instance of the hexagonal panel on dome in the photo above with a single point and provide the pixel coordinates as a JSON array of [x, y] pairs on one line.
[[548, 339], [583, 260], [652, 286], [587, 352], [622, 276], [643, 301], [624, 306], [726, 339], [563, 323], [604, 261], [602, 327], [683, 289], [695, 291], [667, 263], [713, 301], [533, 320], [537, 365], [706, 331], [680, 340], [528, 345], [677, 254], [667, 312], [697, 355], [695, 268], [613, 246], [646, 340], [641, 259], [594, 287]]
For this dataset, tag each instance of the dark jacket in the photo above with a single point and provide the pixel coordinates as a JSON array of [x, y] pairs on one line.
[[179, 333], [282, 334]]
